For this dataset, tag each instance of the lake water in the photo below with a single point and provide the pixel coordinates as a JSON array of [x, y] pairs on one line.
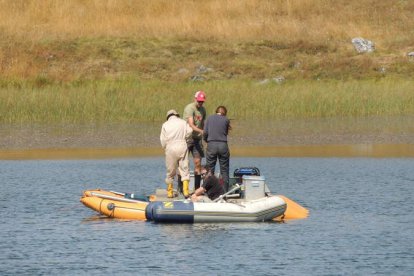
[[361, 221]]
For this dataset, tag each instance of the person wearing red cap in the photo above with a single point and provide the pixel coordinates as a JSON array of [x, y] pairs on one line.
[[195, 115]]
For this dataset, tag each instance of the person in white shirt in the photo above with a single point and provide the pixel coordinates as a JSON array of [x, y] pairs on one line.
[[174, 135]]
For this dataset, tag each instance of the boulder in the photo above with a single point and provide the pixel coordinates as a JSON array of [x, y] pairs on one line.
[[279, 79], [362, 45]]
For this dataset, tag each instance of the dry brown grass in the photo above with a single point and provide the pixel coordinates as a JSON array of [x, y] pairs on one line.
[[55, 42], [287, 20], [95, 39]]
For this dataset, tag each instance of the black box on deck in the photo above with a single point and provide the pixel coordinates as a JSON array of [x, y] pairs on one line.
[[239, 172]]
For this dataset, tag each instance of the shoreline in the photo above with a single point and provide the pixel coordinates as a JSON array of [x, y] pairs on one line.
[[328, 137], [334, 150]]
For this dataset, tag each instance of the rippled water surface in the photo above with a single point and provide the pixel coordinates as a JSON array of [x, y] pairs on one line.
[[361, 221]]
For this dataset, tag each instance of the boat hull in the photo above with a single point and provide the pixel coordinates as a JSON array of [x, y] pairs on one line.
[[115, 205], [264, 209]]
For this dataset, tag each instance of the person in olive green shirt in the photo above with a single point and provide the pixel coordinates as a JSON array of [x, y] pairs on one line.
[[195, 115]]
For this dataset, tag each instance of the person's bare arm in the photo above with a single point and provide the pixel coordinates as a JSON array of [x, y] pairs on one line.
[[190, 121], [199, 192]]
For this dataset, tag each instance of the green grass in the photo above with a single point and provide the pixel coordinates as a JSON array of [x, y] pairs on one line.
[[127, 61], [177, 60], [131, 100]]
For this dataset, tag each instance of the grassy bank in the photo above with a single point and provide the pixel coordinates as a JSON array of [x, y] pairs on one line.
[[130, 100], [66, 41], [126, 61]]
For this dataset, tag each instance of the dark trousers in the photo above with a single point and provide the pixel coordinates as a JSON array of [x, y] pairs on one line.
[[220, 151]]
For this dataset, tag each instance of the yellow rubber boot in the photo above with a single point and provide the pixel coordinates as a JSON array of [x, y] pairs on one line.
[[170, 190], [186, 193]]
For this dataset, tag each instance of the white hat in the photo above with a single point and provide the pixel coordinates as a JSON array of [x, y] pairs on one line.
[[172, 112]]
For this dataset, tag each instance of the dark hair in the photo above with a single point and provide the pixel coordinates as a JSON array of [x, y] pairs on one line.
[[207, 168], [222, 110]]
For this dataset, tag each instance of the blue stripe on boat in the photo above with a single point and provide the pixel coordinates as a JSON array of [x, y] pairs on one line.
[[170, 211]]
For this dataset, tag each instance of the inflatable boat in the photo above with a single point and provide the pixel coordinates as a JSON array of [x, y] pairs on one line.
[[248, 200]]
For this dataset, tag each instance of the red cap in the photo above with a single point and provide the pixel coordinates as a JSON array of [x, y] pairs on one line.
[[200, 96]]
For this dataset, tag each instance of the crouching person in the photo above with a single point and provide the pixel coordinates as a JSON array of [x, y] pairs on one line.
[[174, 135], [211, 188]]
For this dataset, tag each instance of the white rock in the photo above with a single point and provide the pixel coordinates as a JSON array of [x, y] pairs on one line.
[[362, 45]]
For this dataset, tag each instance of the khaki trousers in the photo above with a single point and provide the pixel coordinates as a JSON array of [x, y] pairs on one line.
[[176, 157]]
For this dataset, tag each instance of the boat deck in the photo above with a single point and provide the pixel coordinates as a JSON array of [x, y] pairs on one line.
[[161, 195]]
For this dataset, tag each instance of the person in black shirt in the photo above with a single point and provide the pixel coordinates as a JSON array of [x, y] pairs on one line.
[[215, 134], [211, 188]]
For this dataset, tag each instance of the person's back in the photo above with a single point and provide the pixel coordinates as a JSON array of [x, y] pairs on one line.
[[174, 130], [215, 134], [216, 128]]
